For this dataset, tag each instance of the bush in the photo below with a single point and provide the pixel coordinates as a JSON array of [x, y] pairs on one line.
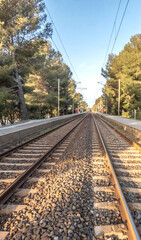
[[125, 114]]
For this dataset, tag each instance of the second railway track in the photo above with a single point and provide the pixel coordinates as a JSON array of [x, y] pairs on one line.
[[76, 197], [18, 164], [16, 161]]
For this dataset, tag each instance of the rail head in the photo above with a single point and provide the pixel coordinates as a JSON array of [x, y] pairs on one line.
[[13, 149], [132, 231], [7, 193], [134, 143]]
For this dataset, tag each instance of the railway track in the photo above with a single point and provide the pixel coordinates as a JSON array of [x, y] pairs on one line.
[[34, 159], [124, 162], [80, 199]]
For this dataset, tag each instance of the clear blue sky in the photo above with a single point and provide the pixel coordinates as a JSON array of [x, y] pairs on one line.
[[85, 27]]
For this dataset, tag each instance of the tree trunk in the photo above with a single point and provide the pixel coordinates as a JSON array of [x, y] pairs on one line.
[[23, 109]]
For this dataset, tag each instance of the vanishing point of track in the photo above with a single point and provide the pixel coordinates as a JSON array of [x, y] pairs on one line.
[[115, 167]]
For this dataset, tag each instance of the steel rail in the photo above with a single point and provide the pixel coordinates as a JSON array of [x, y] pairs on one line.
[[13, 149], [132, 232], [7, 193], [136, 145]]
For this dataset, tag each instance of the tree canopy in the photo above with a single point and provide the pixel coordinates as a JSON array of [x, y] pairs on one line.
[[29, 66], [127, 67]]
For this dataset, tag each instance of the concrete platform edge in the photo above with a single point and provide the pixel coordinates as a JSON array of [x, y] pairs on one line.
[[135, 132], [10, 139]]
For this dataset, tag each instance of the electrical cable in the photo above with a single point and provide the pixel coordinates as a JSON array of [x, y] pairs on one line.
[[117, 31], [112, 33], [55, 44], [120, 25], [61, 42]]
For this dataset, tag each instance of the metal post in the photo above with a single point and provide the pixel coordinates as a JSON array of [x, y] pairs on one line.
[[72, 106], [119, 97], [58, 97], [134, 113], [106, 106]]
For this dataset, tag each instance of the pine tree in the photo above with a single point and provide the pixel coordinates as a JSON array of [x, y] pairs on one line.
[[22, 24]]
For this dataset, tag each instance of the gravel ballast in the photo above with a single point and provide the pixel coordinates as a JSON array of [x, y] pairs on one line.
[[63, 206]]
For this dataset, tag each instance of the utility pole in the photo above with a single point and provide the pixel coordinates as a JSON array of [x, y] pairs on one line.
[[119, 97], [58, 97], [72, 106], [106, 104]]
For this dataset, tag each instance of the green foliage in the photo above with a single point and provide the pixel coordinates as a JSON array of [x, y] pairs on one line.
[[29, 67], [23, 29], [98, 104], [22, 21], [6, 70], [44, 82], [8, 106], [126, 67], [83, 105]]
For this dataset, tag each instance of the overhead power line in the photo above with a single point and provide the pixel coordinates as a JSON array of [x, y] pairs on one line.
[[114, 24], [112, 33], [120, 25], [117, 31], [55, 44], [61, 42]]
